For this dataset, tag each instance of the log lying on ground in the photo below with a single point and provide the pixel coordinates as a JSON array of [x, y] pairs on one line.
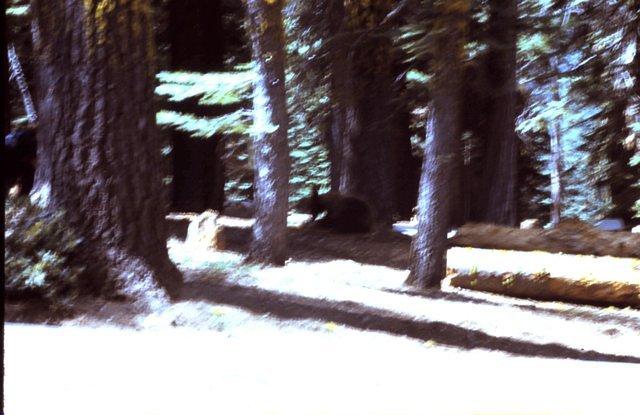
[[570, 237], [546, 276]]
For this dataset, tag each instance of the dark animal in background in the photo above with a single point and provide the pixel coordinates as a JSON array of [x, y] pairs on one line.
[[20, 148], [342, 213]]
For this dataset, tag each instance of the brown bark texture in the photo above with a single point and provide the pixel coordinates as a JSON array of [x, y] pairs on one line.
[[500, 161], [543, 287], [271, 151], [98, 152], [570, 237], [370, 156], [429, 247]]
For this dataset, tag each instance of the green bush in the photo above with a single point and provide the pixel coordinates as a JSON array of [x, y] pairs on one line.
[[39, 259]]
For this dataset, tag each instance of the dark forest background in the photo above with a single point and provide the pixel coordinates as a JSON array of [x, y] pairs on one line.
[[577, 71], [474, 111]]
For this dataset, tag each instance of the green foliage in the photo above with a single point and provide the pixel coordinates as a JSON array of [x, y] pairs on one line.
[[236, 122], [216, 88], [230, 92], [39, 253], [570, 54], [307, 102], [17, 8]]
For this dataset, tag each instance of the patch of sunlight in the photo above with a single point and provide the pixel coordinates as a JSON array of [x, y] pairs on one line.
[[234, 123], [17, 10], [577, 267], [217, 88], [330, 326], [414, 75], [186, 255]]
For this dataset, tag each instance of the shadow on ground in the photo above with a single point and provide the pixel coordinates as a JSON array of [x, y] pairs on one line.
[[384, 247], [288, 306], [571, 312]]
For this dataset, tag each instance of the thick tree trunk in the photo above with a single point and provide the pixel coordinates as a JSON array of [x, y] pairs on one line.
[[429, 247], [271, 151], [500, 160], [338, 87], [367, 148], [98, 151]]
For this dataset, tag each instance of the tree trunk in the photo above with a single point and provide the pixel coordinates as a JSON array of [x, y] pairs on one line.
[[366, 146], [338, 87], [98, 151], [429, 247], [5, 87], [18, 75], [557, 168], [556, 173], [271, 151], [500, 165]]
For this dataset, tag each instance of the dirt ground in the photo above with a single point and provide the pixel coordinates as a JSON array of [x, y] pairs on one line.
[[335, 331]]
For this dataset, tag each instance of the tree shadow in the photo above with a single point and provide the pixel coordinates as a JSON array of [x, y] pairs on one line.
[[574, 310], [391, 249], [289, 306], [382, 248]]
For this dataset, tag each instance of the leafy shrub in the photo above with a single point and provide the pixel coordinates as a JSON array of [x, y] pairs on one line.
[[39, 253]]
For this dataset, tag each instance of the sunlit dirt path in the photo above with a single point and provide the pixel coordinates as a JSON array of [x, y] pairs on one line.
[[275, 368]]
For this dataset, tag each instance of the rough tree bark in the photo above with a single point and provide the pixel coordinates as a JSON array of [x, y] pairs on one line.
[[338, 86], [98, 151], [368, 152], [429, 247], [500, 165], [271, 151]]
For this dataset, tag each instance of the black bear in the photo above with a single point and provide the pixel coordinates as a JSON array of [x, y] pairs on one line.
[[20, 148], [343, 213]]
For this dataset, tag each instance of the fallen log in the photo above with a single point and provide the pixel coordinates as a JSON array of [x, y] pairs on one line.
[[570, 237], [546, 276]]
